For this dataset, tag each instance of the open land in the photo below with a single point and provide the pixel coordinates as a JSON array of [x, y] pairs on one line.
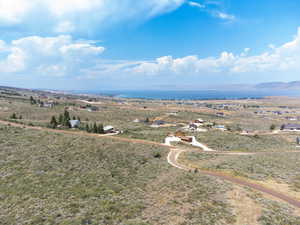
[[58, 175]]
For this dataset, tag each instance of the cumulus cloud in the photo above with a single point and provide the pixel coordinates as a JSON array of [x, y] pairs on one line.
[[51, 56], [65, 27], [279, 59], [68, 15], [63, 56]]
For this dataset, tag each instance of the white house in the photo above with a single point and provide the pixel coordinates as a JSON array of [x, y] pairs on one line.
[[74, 123], [109, 129], [220, 127]]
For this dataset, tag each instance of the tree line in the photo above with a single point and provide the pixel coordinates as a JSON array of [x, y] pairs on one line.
[[63, 120]]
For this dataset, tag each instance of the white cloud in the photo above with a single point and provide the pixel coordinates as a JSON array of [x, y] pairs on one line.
[[51, 56], [67, 15], [214, 9], [64, 56], [224, 16], [196, 4], [280, 59], [65, 27], [12, 11]]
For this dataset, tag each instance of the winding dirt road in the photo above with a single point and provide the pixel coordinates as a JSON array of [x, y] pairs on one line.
[[173, 160], [175, 153]]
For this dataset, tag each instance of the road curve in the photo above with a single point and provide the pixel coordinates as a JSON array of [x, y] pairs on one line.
[[172, 160], [175, 153]]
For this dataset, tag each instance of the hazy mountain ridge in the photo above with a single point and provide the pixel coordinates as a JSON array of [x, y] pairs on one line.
[[279, 85]]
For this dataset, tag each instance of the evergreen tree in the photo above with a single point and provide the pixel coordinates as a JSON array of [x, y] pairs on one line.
[[272, 127], [66, 119], [78, 118], [60, 119], [32, 101], [74, 118], [100, 129], [87, 127], [53, 122], [95, 128], [13, 116], [20, 117]]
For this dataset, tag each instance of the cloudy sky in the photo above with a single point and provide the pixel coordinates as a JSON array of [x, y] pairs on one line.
[[147, 44]]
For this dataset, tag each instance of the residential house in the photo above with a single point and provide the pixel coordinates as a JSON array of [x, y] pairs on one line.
[[220, 114], [220, 127], [74, 123], [290, 127], [109, 129], [158, 123], [199, 121], [93, 109]]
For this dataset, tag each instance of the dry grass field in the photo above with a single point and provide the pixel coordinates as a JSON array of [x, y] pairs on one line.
[[49, 178], [66, 179]]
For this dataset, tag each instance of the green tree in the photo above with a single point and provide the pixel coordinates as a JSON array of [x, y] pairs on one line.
[[53, 122], [20, 117], [66, 119], [100, 129], [95, 128], [61, 119], [32, 101], [272, 127], [87, 127], [13, 116]]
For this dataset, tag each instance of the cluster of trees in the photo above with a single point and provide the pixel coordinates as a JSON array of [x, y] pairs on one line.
[[94, 128], [14, 116], [32, 101], [63, 120]]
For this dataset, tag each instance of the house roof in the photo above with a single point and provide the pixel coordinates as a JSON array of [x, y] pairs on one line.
[[74, 123], [106, 128], [159, 122], [291, 126]]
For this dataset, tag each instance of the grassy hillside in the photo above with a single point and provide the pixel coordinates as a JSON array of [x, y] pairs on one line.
[[283, 167], [229, 141], [60, 179]]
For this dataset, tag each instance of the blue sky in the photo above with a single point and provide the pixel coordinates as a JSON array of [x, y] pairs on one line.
[[147, 44]]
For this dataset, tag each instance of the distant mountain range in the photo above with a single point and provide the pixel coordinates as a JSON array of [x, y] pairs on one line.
[[294, 85], [276, 86]]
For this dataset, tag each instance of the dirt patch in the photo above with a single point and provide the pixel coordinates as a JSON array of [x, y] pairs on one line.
[[281, 187], [166, 206], [247, 211], [284, 188]]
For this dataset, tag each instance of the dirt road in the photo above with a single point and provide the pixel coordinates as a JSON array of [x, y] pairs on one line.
[[173, 160], [175, 153]]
